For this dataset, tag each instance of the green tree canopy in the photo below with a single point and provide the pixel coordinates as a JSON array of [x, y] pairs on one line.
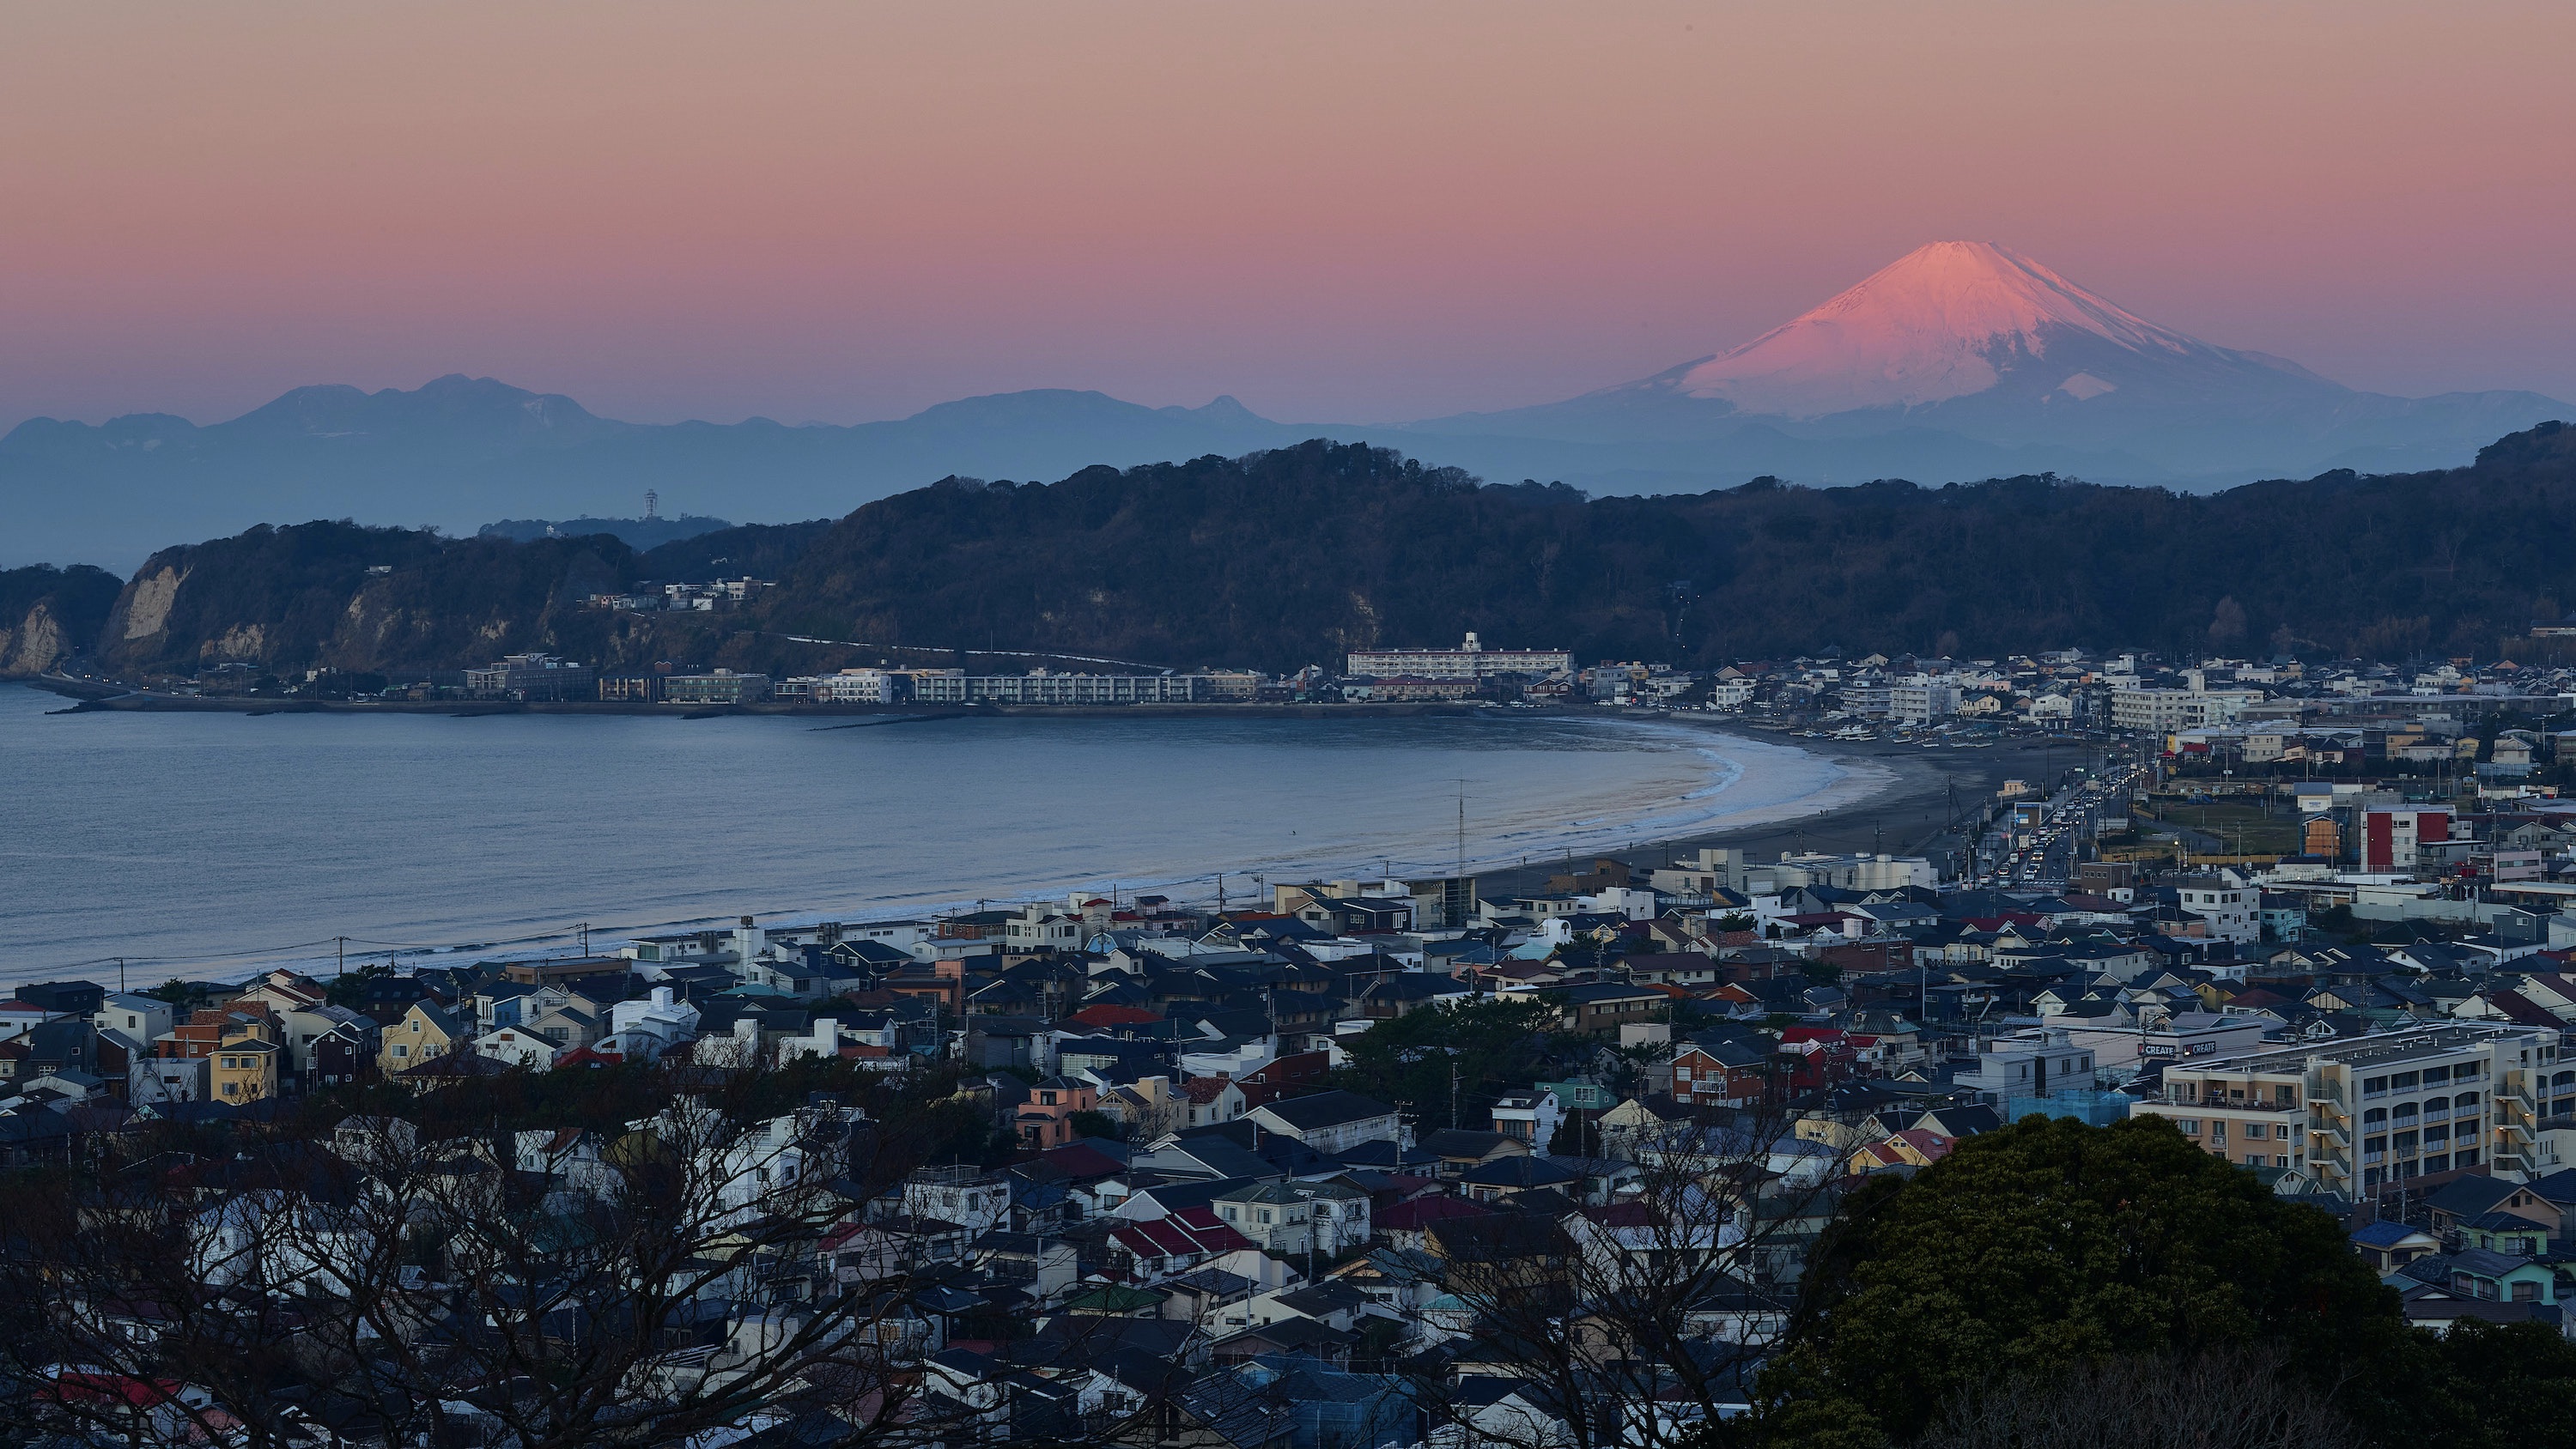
[[1407, 1060], [2050, 1243]]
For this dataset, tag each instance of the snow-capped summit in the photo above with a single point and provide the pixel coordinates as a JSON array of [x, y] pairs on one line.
[[1943, 321], [1965, 360]]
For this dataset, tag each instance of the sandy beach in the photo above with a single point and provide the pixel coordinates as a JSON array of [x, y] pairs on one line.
[[1908, 815]]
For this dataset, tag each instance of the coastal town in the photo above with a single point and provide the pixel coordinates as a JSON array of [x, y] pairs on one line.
[[1364, 1161]]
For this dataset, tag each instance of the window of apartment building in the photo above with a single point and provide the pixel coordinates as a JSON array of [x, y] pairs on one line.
[[2402, 1082], [2285, 1096], [2253, 1159], [2254, 1132], [2437, 1163], [2436, 1076], [2190, 1125], [2403, 1144], [2374, 1086], [2464, 1105], [2218, 1131]]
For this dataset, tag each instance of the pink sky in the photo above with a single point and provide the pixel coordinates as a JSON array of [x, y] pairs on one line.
[[1359, 212]]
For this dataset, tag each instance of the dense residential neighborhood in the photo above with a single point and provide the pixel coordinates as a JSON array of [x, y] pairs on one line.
[[1368, 1161]]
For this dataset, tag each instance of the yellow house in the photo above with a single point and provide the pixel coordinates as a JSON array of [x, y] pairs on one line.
[[245, 1067], [426, 1031]]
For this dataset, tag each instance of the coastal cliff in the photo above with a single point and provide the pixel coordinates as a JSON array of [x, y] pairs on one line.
[[49, 615]]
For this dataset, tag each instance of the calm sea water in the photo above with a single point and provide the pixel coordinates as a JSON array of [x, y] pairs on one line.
[[207, 845]]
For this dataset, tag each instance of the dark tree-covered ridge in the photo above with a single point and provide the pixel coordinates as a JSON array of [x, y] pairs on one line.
[[1295, 556], [1288, 557]]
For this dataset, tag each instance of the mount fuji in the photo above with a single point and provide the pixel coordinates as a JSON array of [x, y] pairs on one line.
[[1964, 358], [1960, 361]]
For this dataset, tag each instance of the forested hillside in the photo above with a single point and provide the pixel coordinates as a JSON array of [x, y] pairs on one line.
[[1284, 558], [1292, 556]]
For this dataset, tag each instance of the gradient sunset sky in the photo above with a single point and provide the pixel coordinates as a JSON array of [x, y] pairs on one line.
[[847, 211]]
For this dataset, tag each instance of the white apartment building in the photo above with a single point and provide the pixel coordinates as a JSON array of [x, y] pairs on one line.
[[1855, 872], [1041, 687], [2162, 710], [2230, 910], [1922, 701], [2373, 1113], [1471, 660]]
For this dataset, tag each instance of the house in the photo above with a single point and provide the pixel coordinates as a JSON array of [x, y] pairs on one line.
[[1911, 1148], [1459, 1149], [1176, 1243], [1718, 1074], [1329, 1122], [2491, 1277], [1530, 1117], [1271, 1214], [1504, 1177], [2389, 1245], [1407, 1224], [1292, 1217], [1206, 1101], [246, 1064], [426, 1031], [1602, 1007], [1046, 1118], [139, 1018], [643, 1031], [517, 1047]]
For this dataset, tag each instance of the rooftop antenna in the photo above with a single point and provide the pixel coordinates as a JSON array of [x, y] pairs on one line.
[[652, 504]]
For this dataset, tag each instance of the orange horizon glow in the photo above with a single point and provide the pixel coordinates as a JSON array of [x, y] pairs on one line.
[[1341, 212]]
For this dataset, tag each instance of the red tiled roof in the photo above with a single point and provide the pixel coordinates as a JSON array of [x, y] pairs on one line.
[[1192, 1232]]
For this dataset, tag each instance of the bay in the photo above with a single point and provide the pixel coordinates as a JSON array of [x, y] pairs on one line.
[[211, 844]]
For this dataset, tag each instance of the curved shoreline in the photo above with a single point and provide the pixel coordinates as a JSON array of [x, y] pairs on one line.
[[1834, 790]]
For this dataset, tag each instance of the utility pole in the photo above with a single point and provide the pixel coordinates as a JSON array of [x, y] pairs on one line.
[[1458, 884], [120, 976], [342, 969], [1453, 1093]]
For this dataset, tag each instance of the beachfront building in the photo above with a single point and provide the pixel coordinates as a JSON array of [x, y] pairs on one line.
[[1470, 660]]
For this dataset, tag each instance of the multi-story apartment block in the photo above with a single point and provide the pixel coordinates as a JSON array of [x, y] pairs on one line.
[[2364, 1116], [1471, 660], [1921, 701], [722, 687], [2229, 909], [533, 677], [2161, 710], [2391, 838], [1044, 688]]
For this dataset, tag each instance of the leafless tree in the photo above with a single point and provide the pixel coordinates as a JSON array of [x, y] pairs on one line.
[[2237, 1399], [362, 1285], [1636, 1320]]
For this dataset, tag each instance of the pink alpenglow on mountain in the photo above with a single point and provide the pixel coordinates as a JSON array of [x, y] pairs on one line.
[[1928, 327]]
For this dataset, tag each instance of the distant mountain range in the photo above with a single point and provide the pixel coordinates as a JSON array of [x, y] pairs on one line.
[[1961, 360]]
